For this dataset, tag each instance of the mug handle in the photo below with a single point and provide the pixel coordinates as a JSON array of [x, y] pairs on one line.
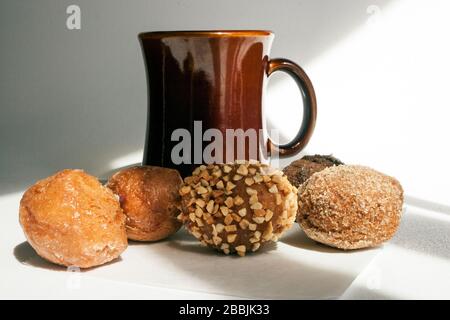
[[309, 107]]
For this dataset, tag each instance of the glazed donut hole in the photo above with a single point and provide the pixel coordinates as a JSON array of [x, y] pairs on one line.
[[150, 200], [70, 219]]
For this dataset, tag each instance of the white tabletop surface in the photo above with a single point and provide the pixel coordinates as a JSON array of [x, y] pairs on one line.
[[179, 267], [414, 264]]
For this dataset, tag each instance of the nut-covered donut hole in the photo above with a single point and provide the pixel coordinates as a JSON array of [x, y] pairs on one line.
[[237, 207]]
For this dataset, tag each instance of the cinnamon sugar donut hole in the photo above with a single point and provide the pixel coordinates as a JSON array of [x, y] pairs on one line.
[[70, 219], [239, 207], [150, 200], [350, 207]]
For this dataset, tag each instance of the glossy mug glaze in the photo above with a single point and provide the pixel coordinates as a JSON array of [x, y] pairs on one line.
[[217, 77]]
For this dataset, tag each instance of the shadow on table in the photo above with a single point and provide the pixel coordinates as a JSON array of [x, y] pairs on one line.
[[301, 241], [266, 274], [26, 255], [419, 232], [428, 205], [184, 241]]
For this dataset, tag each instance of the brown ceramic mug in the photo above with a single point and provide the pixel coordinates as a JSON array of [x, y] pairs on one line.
[[218, 78]]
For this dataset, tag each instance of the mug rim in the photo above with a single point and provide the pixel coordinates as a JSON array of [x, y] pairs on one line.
[[206, 33]]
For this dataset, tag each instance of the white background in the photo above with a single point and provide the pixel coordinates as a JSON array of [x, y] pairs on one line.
[[77, 98]]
